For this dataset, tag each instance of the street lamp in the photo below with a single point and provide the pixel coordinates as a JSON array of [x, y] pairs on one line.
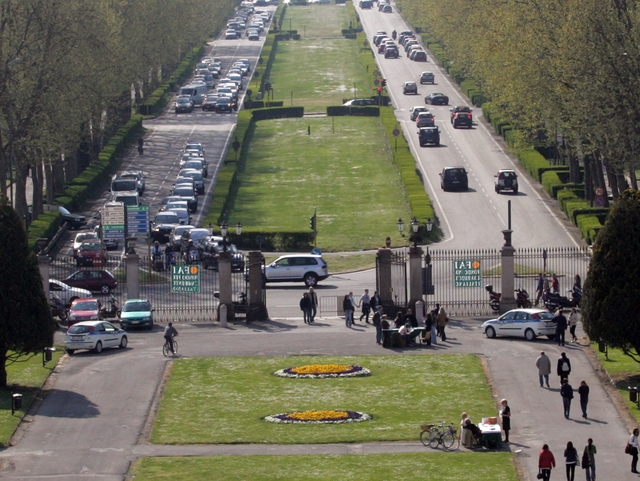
[[415, 225], [400, 225], [429, 224], [239, 228], [224, 228]]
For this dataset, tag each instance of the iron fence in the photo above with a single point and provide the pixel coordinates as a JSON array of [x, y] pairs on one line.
[[460, 276]]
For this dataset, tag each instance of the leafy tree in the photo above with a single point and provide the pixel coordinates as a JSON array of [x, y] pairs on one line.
[[611, 288], [26, 324]]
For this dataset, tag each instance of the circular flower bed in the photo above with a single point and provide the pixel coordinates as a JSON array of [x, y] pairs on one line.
[[319, 417], [323, 370]]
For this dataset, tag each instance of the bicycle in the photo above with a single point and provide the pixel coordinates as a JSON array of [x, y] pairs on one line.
[[166, 349], [434, 435]]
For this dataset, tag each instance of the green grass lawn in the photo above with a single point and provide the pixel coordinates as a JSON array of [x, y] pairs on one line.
[[223, 400], [316, 20], [25, 377], [624, 371], [431, 466], [342, 168]]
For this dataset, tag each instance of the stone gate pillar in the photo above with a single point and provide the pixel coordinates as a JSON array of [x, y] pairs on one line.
[[224, 280], [415, 276], [384, 280], [507, 301]]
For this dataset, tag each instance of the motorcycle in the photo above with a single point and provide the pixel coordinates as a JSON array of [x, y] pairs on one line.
[[554, 301], [522, 299], [494, 298], [58, 308], [157, 263], [192, 256], [112, 309]]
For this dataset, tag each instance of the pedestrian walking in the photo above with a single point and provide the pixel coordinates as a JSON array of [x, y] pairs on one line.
[[571, 459], [589, 460], [354, 304], [633, 450], [573, 323], [555, 284], [564, 367], [539, 288], [577, 282], [546, 284], [505, 415], [377, 322], [305, 307], [442, 323], [347, 307], [546, 462], [561, 326], [374, 302], [583, 390], [543, 363], [365, 304], [313, 299], [566, 391]]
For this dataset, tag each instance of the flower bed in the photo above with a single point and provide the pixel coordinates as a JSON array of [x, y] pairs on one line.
[[323, 371], [319, 417]]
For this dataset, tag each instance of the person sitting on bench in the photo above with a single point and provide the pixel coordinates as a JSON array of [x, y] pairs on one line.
[[475, 430]]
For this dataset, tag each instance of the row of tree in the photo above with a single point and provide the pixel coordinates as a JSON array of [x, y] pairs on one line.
[[566, 73], [72, 70]]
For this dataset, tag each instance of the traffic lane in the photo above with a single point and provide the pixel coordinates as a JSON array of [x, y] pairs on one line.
[[104, 398]]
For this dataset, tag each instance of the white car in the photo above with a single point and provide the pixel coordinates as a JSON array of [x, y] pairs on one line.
[[80, 238], [527, 323], [94, 335], [308, 268], [67, 293]]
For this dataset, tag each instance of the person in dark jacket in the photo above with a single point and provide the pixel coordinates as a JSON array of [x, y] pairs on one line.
[[305, 307], [561, 327], [564, 368], [583, 390], [347, 307], [566, 391], [410, 318], [571, 459]]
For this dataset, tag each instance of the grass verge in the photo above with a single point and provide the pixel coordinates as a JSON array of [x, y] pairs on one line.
[[223, 400], [25, 377], [625, 373], [430, 466]]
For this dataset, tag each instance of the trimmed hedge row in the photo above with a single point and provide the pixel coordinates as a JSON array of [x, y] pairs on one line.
[[341, 110], [277, 113]]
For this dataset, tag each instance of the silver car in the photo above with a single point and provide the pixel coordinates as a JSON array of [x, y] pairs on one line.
[[527, 323]]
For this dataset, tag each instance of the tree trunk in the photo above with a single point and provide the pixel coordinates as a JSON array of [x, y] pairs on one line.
[[588, 180], [36, 201], [3, 367], [20, 191], [574, 163], [632, 176], [50, 187]]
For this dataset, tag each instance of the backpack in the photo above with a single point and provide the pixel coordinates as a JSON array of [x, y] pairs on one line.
[[565, 366]]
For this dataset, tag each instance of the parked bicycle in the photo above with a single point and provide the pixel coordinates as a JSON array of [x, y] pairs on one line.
[[434, 435]]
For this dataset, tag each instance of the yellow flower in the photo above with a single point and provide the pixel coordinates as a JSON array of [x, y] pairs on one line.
[[321, 369], [318, 415]]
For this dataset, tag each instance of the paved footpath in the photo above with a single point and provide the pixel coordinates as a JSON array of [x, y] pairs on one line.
[[537, 416]]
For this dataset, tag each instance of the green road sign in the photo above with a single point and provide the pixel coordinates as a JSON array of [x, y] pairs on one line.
[[466, 273], [185, 278]]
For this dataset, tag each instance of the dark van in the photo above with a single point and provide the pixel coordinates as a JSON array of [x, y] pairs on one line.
[[454, 178]]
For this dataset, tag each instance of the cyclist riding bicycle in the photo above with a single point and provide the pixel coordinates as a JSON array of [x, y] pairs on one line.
[[169, 333]]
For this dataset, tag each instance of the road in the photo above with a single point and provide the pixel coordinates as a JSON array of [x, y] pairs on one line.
[[472, 219]]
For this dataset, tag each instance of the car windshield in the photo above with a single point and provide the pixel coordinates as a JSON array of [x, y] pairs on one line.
[[224, 100], [184, 101], [90, 246], [123, 185], [136, 306], [167, 218], [80, 329], [184, 190], [85, 306], [193, 164], [454, 172], [84, 237]]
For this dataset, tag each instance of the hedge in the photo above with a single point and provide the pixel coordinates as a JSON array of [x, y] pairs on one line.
[[341, 110]]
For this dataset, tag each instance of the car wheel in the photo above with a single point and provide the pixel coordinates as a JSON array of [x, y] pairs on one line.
[[98, 347], [70, 351], [105, 289], [310, 279], [490, 332], [123, 342], [529, 335]]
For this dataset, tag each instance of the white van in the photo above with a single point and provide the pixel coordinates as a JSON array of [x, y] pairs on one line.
[[195, 91]]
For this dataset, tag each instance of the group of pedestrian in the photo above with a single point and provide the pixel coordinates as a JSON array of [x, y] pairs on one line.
[[309, 306], [562, 323], [547, 462], [563, 369]]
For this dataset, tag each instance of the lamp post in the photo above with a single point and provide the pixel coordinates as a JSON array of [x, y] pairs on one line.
[[429, 224], [415, 225], [400, 225]]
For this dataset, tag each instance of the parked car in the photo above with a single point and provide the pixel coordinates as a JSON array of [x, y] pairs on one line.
[[138, 177], [136, 313], [461, 115], [436, 99], [527, 323], [95, 280], [94, 336], [90, 253], [209, 249], [425, 119], [409, 88], [454, 178], [427, 78], [360, 102], [429, 135], [74, 221], [308, 268], [415, 111], [85, 309], [506, 180], [65, 292]]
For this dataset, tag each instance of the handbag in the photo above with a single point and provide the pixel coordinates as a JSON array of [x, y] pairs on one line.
[[627, 449], [586, 462], [540, 475]]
